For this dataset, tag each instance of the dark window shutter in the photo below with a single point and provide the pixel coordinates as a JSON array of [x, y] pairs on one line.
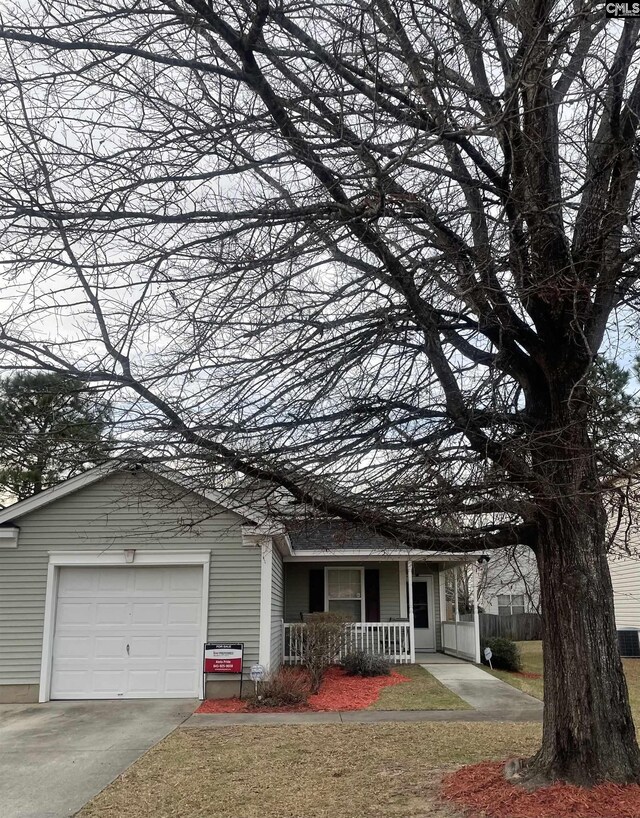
[[372, 594], [316, 590]]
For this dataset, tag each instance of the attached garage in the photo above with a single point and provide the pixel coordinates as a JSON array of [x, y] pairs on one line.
[[112, 582], [127, 632]]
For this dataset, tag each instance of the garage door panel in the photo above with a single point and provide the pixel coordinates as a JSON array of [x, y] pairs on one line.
[[77, 580], [113, 582], [183, 613], [177, 683], [71, 683], [74, 613], [145, 581], [148, 613], [144, 681], [179, 647], [145, 647], [73, 647], [111, 613], [109, 682], [159, 619], [108, 647]]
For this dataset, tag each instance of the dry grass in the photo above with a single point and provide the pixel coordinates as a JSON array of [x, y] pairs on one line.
[[423, 692], [321, 771], [632, 672]]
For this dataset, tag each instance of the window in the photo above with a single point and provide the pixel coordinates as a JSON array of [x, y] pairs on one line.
[[344, 592], [510, 604]]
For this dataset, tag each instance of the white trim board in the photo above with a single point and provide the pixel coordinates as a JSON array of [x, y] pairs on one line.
[[96, 559], [388, 555], [266, 583], [9, 537]]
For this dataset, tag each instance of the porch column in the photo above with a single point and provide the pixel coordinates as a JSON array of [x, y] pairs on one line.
[[455, 602], [476, 618], [412, 635]]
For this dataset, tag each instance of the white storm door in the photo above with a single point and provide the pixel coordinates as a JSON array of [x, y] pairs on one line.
[[423, 613], [127, 632]]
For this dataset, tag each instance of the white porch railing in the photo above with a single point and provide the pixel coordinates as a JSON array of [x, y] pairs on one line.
[[390, 639], [459, 639]]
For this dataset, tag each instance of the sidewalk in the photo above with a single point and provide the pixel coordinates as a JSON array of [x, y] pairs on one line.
[[353, 717], [491, 699]]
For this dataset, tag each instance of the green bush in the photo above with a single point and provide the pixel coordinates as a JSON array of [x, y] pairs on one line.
[[359, 663], [287, 686], [506, 654]]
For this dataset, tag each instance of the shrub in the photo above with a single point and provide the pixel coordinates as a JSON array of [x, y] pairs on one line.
[[323, 634], [287, 686], [506, 654], [360, 663]]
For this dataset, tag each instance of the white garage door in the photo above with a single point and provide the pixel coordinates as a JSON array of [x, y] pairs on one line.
[[129, 632]]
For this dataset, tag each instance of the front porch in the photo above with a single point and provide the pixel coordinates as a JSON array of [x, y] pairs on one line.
[[398, 607]]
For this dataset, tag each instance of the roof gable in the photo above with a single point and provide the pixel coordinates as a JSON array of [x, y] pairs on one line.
[[80, 481]]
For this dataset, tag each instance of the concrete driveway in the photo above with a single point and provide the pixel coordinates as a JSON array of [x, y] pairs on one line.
[[54, 757]]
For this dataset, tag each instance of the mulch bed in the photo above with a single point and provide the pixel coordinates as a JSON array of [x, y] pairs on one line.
[[524, 674], [481, 789], [337, 692]]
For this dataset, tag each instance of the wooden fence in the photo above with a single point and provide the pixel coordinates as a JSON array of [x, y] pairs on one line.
[[520, 627]]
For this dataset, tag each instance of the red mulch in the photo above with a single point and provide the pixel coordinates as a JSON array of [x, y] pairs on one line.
[[524, 674], [481, 789], [337, 692]]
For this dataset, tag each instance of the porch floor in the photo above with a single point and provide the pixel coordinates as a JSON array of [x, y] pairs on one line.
[[438, 659]]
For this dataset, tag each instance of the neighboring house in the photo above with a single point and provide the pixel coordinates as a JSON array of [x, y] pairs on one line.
[[625, 577], [509, 583], [111, 583]]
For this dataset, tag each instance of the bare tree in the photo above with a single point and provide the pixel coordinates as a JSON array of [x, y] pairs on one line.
[[379, 242]]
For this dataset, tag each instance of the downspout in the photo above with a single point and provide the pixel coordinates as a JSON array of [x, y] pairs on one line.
[[455, 599], [476, 618]]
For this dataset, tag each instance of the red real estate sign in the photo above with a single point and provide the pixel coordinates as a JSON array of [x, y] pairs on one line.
[[223, 657]]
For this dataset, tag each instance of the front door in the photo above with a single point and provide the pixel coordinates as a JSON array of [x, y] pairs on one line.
[[423, 613]]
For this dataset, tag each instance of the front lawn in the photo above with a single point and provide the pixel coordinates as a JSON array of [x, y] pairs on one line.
[[532, 664], [340, 692], [422, 692], [385, 770]]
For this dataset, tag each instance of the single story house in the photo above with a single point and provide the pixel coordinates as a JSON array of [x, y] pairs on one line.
[[112, 582]]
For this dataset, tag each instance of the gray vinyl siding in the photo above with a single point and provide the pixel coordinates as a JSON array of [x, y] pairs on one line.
[[436, 608], [297, 588], [389, 590], [277, 608], [625, 577], [125, 510]]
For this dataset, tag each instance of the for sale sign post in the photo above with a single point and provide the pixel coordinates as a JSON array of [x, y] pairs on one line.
[[223, 657]]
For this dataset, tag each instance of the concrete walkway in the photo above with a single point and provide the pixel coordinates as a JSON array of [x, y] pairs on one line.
[[484, 692]]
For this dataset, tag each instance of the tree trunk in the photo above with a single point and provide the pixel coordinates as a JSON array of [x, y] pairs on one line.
[[588, 733]]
